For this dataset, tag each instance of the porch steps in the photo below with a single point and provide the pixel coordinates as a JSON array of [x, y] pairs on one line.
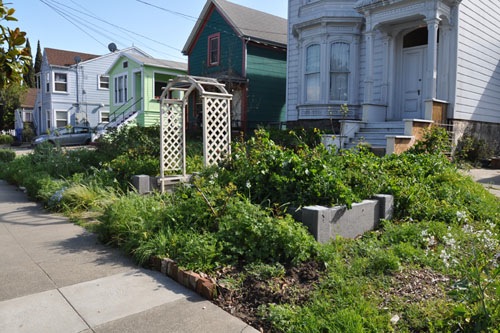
[[374, 134]]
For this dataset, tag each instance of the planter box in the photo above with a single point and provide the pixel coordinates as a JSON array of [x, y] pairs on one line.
[[326, 223]]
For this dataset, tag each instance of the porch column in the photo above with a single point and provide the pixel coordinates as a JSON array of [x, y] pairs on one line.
[[368, 98], [431, 77]]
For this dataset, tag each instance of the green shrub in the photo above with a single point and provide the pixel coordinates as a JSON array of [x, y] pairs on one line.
[[7, 155], [6, 139], [249, 234], [473, 150]]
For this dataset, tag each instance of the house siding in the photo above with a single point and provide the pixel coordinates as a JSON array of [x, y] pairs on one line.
[[292, 64], [478, 70], [266, 73], [231, 49], [82, 100], [141, 89]]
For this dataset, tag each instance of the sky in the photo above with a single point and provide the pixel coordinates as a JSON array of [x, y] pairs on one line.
[[158, 27]]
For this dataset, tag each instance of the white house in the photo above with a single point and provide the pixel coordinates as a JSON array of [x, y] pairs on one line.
[[73, 88], [394, 60]]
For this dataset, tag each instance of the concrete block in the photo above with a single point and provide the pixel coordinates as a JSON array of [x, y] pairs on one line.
[[142, 183], [386, 205], [326, 223], [350, 223]]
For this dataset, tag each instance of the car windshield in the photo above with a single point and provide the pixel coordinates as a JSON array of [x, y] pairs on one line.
[[61, 131]]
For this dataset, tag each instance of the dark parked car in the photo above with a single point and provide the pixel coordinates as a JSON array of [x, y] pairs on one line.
[[66, 136]]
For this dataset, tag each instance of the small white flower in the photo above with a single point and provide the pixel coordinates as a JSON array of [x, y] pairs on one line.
[[248, 184]]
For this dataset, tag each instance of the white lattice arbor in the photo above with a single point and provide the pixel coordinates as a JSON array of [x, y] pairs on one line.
[[216, 123]]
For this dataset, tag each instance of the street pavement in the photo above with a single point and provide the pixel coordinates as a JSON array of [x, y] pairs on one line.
[[56, 277]]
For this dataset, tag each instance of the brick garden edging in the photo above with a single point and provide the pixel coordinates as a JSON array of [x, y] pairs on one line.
[[203, 286]]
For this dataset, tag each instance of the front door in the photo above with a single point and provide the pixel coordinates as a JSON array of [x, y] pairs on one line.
[[412, 81]]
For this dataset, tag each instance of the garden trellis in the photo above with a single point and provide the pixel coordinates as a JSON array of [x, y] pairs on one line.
[[216, 124]]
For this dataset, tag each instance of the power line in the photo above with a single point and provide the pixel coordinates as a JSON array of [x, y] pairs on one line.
[[65, 14]]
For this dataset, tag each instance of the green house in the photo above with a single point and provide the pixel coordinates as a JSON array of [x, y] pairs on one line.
[[246, 49], [135, 85]]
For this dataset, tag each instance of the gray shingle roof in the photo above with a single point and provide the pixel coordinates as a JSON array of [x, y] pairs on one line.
[[159, 62], [248, 23], [254, 23]]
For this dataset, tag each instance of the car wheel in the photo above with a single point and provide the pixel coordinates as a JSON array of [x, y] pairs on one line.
[[87, 142]]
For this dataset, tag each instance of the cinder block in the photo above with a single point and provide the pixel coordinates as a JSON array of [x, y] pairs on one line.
[[325, 223], [350, 223], [142, 183], [386, 205]]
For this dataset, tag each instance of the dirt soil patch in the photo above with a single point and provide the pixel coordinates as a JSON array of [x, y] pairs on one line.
[[244, 300]]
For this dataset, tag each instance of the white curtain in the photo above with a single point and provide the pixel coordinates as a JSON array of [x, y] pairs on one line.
[[339, 71], [312, 73]]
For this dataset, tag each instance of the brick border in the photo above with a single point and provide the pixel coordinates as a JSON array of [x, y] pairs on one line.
[[203, 286]]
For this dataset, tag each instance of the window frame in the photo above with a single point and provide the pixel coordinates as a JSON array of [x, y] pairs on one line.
[[57, 119], [120, 89], [102, 116], [310, 72], [47, 82], [60, 82], [339, 72], [100, 82], [213, 51]]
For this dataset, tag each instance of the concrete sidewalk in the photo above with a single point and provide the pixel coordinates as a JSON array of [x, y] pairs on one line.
[[56, 277], [489, 178]]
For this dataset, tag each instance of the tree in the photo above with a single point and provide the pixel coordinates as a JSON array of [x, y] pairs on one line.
[[29, 77], [10, 97], [15, 60], [38, 59]]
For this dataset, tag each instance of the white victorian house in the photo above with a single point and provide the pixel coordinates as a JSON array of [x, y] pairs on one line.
[[397, 64]]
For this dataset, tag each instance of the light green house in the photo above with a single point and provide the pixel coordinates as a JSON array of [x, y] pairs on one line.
[[135, 87]]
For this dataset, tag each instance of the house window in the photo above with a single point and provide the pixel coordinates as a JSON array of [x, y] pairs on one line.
[[28, 116], [61, 118], [312, 74], [214, 49], [104, 117], [103, 82], [47, 82], [49, 123], [121, 89], [161, 81], [339, 71], [60, 82], [125, 64]]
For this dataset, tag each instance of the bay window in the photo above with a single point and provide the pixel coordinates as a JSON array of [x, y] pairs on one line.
[[339, 71], [312, 73]]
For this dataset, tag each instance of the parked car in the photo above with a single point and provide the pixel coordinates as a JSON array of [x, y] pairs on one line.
[[66, 136]]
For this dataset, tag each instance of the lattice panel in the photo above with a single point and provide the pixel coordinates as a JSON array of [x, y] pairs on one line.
[[173, 138], [217, 129]]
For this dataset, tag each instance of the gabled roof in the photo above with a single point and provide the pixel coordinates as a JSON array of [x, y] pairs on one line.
[[247, 22], [66, 58], [150, 61], [158, 62], [29, 98]]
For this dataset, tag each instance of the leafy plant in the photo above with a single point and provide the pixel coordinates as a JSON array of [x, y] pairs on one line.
[[6, 139], [7, 155]]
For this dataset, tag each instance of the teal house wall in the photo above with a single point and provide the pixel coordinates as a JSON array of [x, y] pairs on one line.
[[252, 61]]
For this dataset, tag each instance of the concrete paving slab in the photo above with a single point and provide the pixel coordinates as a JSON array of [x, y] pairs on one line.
[[110, 298], [182, 316], [42, 312], [56, 277]]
